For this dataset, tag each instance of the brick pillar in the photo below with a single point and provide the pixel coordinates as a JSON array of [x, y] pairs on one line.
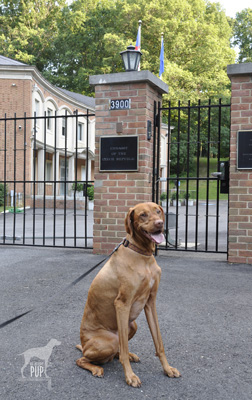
[[240, 190], [115, 191]]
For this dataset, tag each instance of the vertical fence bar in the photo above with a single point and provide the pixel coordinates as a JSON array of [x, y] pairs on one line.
[[154, 152], [15, 177], [197, 181], [218, 181], [34, 176], [44, 184], [75, 177], [168, 174], [208, 169], [187, 173], [24, 176], [177, 179], [5, 176], [86, 196], [158, 153], [55, 178], [65, 179], [228, 194]]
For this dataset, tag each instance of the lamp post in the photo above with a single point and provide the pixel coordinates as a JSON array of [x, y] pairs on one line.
[[131, 58]]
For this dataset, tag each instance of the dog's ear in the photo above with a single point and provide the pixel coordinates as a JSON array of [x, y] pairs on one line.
[[162, 211], [128, 221]]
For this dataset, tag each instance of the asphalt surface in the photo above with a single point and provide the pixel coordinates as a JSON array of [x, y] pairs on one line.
[[210, 229], [204, 308]]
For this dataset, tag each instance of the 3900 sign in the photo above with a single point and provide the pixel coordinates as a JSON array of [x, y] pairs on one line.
[[123, 104]]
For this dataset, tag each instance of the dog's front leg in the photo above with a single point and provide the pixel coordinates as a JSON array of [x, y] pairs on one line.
[[122, 315], [152, 319]]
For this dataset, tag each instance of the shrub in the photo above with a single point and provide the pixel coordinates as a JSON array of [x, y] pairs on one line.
[[2, 193], [163, 196], [90, 192], [77, 186]]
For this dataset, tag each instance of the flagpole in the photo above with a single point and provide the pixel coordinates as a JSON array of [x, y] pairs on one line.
[[139, 30]]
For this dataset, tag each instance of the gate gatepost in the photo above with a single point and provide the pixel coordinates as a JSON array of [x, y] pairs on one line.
[[240, 186], [124, 104]]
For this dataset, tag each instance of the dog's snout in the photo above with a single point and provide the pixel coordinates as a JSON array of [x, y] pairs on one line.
[[159, 223]]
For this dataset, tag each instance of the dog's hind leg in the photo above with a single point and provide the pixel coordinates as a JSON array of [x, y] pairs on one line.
[[98, 349], [132, 329]]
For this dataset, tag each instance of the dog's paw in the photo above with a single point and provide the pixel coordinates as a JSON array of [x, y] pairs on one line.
[[172, 372], [98, 372], [133, 358], [133, 380]]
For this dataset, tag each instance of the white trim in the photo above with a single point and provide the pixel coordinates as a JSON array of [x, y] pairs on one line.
[[63, 108], [52, 100]]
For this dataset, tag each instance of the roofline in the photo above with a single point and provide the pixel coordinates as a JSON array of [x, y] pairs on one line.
[[40, 79]]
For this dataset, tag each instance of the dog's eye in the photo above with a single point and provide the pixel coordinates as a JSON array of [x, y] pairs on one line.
[[143, 215], [158, 211]]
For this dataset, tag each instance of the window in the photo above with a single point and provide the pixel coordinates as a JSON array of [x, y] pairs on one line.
[[49, 119], [80, 131], [63, 126]]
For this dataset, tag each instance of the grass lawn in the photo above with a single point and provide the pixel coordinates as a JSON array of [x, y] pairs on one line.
[[10, 209], [192, 184]]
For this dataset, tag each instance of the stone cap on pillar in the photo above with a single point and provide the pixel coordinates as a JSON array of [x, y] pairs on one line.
[[130, 77], [239, 69]]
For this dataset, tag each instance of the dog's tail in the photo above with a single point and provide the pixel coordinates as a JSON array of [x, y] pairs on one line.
[[79, 347]]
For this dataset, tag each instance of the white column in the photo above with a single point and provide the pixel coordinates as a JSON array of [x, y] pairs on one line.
[[71, 172], [89, 169], [56, 176], [41, 177]]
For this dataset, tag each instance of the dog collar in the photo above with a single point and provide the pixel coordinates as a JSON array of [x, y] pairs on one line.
[[131, 246]]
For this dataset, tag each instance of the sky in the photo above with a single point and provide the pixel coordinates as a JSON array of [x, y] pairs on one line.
[[234, 6]]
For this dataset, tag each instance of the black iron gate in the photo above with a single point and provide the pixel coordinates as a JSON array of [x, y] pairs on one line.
[[190, 174], [46, 185]]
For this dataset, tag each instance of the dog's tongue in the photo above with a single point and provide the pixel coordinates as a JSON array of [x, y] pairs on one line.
[[157, 237]]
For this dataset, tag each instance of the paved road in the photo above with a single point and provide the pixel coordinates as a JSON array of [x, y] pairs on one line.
[[204, 307], [208, 230], [77, 225], [58, 230]]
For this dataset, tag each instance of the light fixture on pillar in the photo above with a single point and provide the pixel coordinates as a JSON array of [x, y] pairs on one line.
[[131, 58]]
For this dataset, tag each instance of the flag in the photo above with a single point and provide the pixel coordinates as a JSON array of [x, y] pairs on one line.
[[138, 40], [161, 57]]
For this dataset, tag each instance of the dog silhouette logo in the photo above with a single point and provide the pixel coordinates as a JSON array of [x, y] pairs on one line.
[[38, 369]]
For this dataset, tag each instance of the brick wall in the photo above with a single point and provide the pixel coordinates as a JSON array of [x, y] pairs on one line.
[[15, 99], [240, 197], [116, 192]]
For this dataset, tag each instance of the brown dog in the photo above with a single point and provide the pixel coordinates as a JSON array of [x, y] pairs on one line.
[[126, 285]]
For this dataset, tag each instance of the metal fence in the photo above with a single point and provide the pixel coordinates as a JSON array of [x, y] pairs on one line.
[[46, 181], [197, 141]]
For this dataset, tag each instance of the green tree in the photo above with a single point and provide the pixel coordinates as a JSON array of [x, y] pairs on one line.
[[243, 35], [29, 29], [69, 43], [196, 36]]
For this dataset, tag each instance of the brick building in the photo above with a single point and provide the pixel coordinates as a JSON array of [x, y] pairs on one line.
[[24, 92]]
